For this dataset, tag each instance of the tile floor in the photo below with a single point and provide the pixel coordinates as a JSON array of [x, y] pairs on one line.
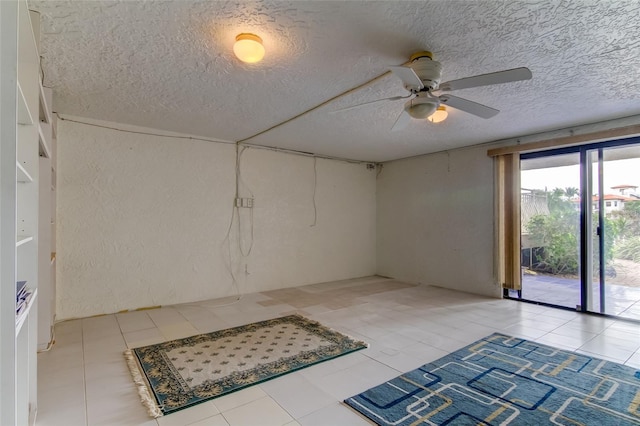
[[84, 380]]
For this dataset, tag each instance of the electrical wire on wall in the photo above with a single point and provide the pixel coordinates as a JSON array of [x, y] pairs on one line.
[[228, 261], [234, 251], [239, 181], [140, 132], [53, 339], [315, 187], [235, 218], [229, 265]]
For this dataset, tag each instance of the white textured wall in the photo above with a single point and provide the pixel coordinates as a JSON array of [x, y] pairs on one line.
[[435, 220], [142, 220], [288, 250], [435, 214]]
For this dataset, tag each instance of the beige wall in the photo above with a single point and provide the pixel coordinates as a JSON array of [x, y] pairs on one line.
[[435, 220], [142, 221], [435, 214]]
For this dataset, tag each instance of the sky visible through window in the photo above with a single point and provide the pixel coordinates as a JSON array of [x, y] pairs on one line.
[[619, 172]]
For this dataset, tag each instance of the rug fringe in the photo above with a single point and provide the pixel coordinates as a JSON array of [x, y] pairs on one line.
[[143, 389]]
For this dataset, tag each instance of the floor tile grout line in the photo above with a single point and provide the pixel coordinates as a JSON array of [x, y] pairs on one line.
[[152, 320], [386, 309]]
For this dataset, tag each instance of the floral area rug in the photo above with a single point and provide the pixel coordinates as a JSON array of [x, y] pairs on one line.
[[175, 375]]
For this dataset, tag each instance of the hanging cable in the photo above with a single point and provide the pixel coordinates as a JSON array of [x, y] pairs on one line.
[[239, 171], [42, 70], [138, 132], [52, 341], [240, 180], [227, 239], [315, 186], [320, 105], [303, 153], [229, 266]]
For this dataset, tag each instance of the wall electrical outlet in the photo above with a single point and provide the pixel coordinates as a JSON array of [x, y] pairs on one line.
[[244, 202]]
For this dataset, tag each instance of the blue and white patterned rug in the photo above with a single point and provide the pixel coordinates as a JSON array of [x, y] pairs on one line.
[[501, 380]]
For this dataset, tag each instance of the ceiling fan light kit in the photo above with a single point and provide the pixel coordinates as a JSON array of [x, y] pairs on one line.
[[248, 48], [439, 116], [422, 106]]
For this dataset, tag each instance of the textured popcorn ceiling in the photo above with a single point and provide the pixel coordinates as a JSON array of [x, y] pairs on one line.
[[169, 65]]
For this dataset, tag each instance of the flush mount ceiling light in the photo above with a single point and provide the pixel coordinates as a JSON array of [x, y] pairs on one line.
[[248, 48], [439, 116]]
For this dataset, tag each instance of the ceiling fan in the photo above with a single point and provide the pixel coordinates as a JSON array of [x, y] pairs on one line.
[[421, 77]]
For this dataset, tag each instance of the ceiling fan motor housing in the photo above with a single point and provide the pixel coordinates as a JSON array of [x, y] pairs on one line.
[[428, 70]]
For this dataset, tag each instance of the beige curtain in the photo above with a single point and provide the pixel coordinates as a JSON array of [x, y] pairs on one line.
[[508, 221]]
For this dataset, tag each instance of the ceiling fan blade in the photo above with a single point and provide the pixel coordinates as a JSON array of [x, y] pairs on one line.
[[408, 76], [466, 105], [401, 122], [508, 76], [394, 98]]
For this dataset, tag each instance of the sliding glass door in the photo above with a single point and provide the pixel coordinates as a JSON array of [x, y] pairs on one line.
[[614, 287], [550, 236], [580, 216]]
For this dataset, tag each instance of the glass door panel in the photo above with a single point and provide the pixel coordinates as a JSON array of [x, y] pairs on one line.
[[615, 231], [593, 228], [550, 229]]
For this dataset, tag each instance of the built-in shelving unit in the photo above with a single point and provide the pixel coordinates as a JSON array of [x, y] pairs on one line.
[[47, 127], [24, 141]]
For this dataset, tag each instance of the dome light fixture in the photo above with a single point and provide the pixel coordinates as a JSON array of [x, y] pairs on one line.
[[439, 115], [248, 48], [422, 110], [422, 106]]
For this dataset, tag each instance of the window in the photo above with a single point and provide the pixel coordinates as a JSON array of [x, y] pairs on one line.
[[587, 263]]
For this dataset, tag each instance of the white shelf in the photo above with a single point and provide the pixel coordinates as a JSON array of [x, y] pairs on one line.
[[45, 113], [23, 239], [24, 115], [19, 132], [46, 218], [21, 318], [28, 62], [44, 141], [23, 176], [45, 128]]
